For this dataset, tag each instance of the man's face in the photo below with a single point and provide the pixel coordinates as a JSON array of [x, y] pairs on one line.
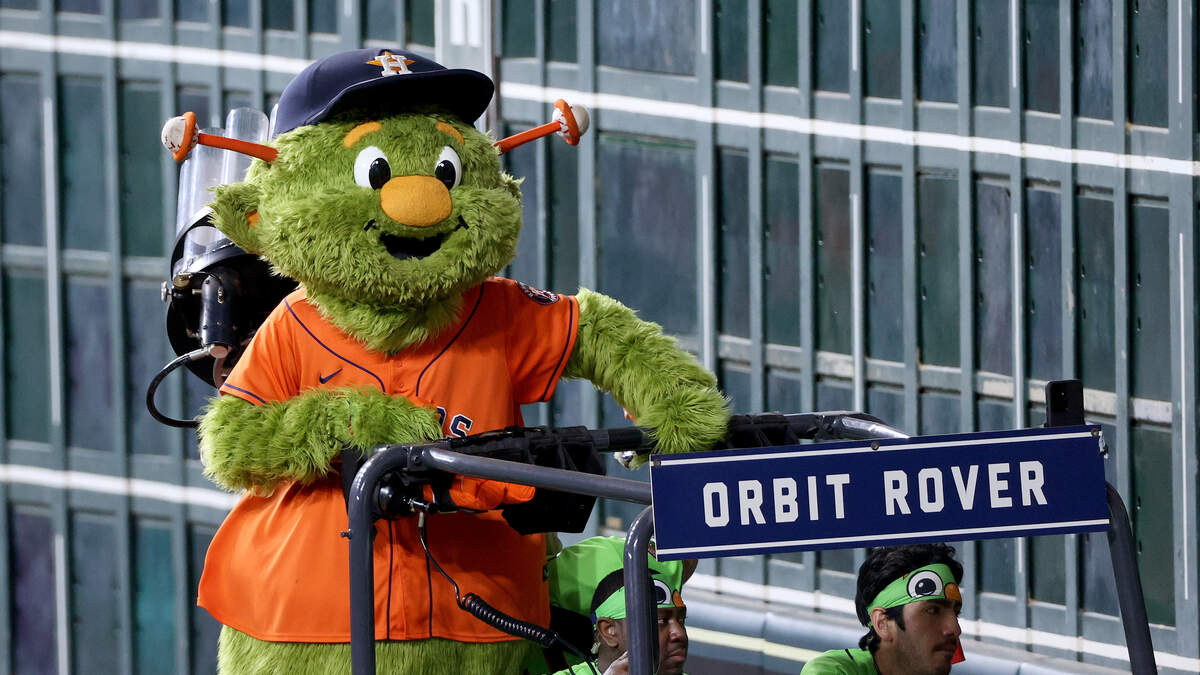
[[929, 638], [672, 640]]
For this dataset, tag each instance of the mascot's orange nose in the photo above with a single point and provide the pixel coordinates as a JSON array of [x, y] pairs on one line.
[[416, 201]]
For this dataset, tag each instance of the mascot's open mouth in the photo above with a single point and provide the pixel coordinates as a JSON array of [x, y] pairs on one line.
[[403, 248]]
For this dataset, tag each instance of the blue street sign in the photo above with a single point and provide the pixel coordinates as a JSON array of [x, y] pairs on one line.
[[869, 493]]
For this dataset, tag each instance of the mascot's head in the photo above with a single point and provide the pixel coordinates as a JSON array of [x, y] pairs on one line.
[[383, 194]]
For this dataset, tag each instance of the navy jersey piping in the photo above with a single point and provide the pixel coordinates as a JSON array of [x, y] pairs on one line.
[[318, 341], [554, 373], [478, 300], [246, 391]]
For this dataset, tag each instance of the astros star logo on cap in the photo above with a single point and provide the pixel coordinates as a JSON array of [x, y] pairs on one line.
[[392, 64]]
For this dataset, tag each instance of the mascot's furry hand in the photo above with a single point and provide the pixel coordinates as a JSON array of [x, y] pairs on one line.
[[393, 213]]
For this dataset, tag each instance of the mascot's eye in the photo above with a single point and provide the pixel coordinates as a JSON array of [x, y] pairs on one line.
[[448, 168], [662, 594], [371, 168], [924, 583]]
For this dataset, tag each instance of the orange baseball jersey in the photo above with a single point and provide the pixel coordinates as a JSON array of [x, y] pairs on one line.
[[278, 569]]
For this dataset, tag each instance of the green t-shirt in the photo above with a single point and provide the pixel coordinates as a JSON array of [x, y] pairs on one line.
[[580, 669], [842, 662]]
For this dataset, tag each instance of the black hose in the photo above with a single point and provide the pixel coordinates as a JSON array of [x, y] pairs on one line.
[[166, 370]]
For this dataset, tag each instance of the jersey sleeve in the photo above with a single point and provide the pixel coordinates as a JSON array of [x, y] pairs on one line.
[[268, 371], [540, 334]]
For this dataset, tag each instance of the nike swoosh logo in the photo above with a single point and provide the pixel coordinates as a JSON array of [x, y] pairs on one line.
[[329, 376]]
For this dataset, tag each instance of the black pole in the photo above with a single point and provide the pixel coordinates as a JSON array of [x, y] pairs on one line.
[[1129, 586], [642, 642]]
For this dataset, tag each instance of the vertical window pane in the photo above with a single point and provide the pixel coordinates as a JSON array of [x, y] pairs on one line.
[[780, 43], [21, 160], [881, 45], [1047, 569], [96, 624], [563, 216], [146, 342], [204, 629], [733, 218], [1093, 59], [561, 38], [141, 169], [522, 163], [1153, 515], [1094, 269], [647, 228], [31, 583], [418, 22], [279, 14], [735, 382], [196, 99], [937, 49], [196, 394], [137, 9], [19, 4], [993, 278], [647, 35], [26, 368], [939, 413], [379, 19], [730, 38], [189, 10], [519, 28], [1043, 283], [1040, 63], [990, 57], [832, 259], [322, 16], [884, 320], [153, 597], [937, 268], [89, 380], [1150, 280], [781, 250], [831, 32], [886, 403], [783, 390], [1147, 54], [236, 98], [82, 184], [235, 13]]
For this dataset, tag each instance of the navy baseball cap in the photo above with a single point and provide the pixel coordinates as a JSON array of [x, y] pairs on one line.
[[380, 82]]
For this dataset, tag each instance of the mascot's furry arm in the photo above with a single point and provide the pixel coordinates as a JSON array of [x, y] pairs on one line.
[[255, 447], [659, 384]]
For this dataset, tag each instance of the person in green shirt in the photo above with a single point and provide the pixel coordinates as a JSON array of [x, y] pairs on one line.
[[908, 598], [588, 580]]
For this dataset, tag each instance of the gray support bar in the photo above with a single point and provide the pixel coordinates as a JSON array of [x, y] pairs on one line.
[[642, 638], [538, 476], [1129, 586]]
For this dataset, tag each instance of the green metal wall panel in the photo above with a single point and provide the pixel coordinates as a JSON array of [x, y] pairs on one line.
[[1094, 272], [563, 211], [937, 48], [645, 35], [32, 579], [729, 17], [21, 158], [95, 624], [781, 43], [518, 28], [561, 39], [1040, 49], [90, 418], [81, 180], [1043, 283], [881, 48], [1150, 284], [1093, 59], [781, 249], [141, 177], [154, 610], [1151, 511], [733, 267], [993, 278], [379, 20], [937, 255], [1147, 54], [884, 317], [831, 255], [831, 59], [26, 363], [989, 52]]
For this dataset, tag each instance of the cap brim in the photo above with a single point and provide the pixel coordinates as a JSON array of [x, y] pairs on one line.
[[459, 92]]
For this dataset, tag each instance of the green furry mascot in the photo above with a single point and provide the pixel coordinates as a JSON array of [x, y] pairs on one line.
[[392, 212]]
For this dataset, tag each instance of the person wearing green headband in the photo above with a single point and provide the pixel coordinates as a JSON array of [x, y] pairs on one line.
[[909, 599], [588, 580]]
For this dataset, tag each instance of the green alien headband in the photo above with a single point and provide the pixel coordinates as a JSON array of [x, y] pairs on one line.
[[931, 582], [577, 570]]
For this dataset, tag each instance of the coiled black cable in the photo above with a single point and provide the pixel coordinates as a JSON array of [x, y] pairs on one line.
[[480, 609], [166, 370]]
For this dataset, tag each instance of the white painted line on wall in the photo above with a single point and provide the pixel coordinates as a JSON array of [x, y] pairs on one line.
[[860, 132], [854, 30], [1183, 420], [53, 283], [146, 51], [970, 627], [61, 608], [116, 485], [1012, 30]]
